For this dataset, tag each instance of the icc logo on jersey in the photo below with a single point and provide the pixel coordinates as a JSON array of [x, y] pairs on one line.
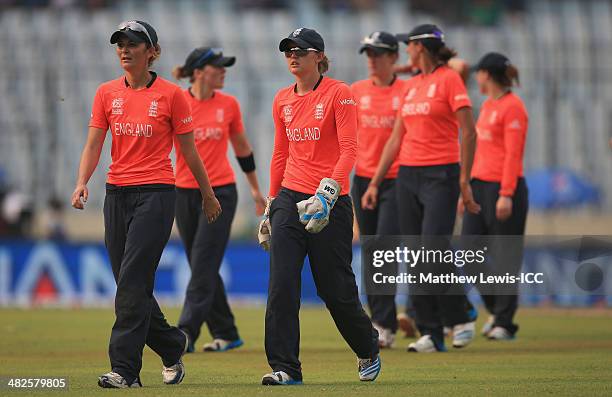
[[117, 106]]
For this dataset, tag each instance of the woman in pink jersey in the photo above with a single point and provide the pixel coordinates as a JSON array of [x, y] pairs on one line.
[[216, 121], [311, 212], [499, 186], [425, 139], [144, 114]]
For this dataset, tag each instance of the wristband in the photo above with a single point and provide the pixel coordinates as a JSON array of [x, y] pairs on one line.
[[247, 163]]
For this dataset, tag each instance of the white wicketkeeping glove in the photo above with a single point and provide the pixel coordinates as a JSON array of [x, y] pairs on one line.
[[314, 212], [264, 231]]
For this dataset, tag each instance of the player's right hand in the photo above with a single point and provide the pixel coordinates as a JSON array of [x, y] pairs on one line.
[[370, 198], [264, 230], [211, 208], [468, 198], [79, 192]]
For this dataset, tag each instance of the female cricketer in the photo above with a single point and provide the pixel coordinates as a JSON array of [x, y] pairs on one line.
[[498, 183], [425, 137], [216, 121], [311, 213], [144, 113], [378, 100]]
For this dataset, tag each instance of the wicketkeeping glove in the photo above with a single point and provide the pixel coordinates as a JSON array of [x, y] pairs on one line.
[[314, 212], [264, 231]]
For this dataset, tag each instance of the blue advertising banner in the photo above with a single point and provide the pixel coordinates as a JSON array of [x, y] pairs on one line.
[[75, 274]]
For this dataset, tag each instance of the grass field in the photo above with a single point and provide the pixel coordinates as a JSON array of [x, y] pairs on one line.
[[558, 352]]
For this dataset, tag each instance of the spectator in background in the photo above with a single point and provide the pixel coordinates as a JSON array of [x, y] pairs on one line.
[[54, 225]]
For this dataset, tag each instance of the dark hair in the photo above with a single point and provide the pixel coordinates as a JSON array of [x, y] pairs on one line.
[[508, 78], [181, 72], [438, 50]]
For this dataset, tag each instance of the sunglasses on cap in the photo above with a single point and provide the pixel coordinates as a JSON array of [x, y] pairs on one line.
[[439, 36], [135, 27], [211, 53], [377, 43], [299, 52]]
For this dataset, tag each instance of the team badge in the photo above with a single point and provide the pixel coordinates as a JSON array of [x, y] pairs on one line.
[[319, 111], [153, 108]]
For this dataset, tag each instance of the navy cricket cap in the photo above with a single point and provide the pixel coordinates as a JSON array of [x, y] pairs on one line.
[[493, 62], [203, 56], [380, 42], [136, 31], [303, 38], [429, 34]]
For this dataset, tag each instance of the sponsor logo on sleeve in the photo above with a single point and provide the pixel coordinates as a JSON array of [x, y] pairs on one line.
[[187, 120], [515, 124], [461, 97], [348, 101]]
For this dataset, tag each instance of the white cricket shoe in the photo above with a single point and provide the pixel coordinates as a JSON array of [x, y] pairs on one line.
[[423, 345], [113, 380], [386, 337], [368, 368], [279, 378], [499, 333], [463, 334]]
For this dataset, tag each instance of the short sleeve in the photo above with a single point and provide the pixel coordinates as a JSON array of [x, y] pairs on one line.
[[98, 115], [236, 125], [456, 92], [182, 121]]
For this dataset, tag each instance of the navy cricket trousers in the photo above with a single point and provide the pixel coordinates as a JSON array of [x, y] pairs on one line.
[[206, 300], [137, 225], [383, 221], [504, 302], [330, 254], [427, 202]]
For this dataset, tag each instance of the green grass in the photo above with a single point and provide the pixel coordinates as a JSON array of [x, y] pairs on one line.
[[558, 352]]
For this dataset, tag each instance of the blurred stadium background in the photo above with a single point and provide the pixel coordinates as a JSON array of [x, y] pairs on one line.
[[54, 53]]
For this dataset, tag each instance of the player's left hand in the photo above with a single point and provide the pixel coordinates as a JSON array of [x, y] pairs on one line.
[[260, 203], [503, 208]]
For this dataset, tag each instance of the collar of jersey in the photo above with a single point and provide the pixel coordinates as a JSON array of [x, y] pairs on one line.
[[127, 85], [313, 88]]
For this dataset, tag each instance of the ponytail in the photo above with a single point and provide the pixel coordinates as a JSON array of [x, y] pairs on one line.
[[444, 54], [324, 64], [508, 78], [181, 72]]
